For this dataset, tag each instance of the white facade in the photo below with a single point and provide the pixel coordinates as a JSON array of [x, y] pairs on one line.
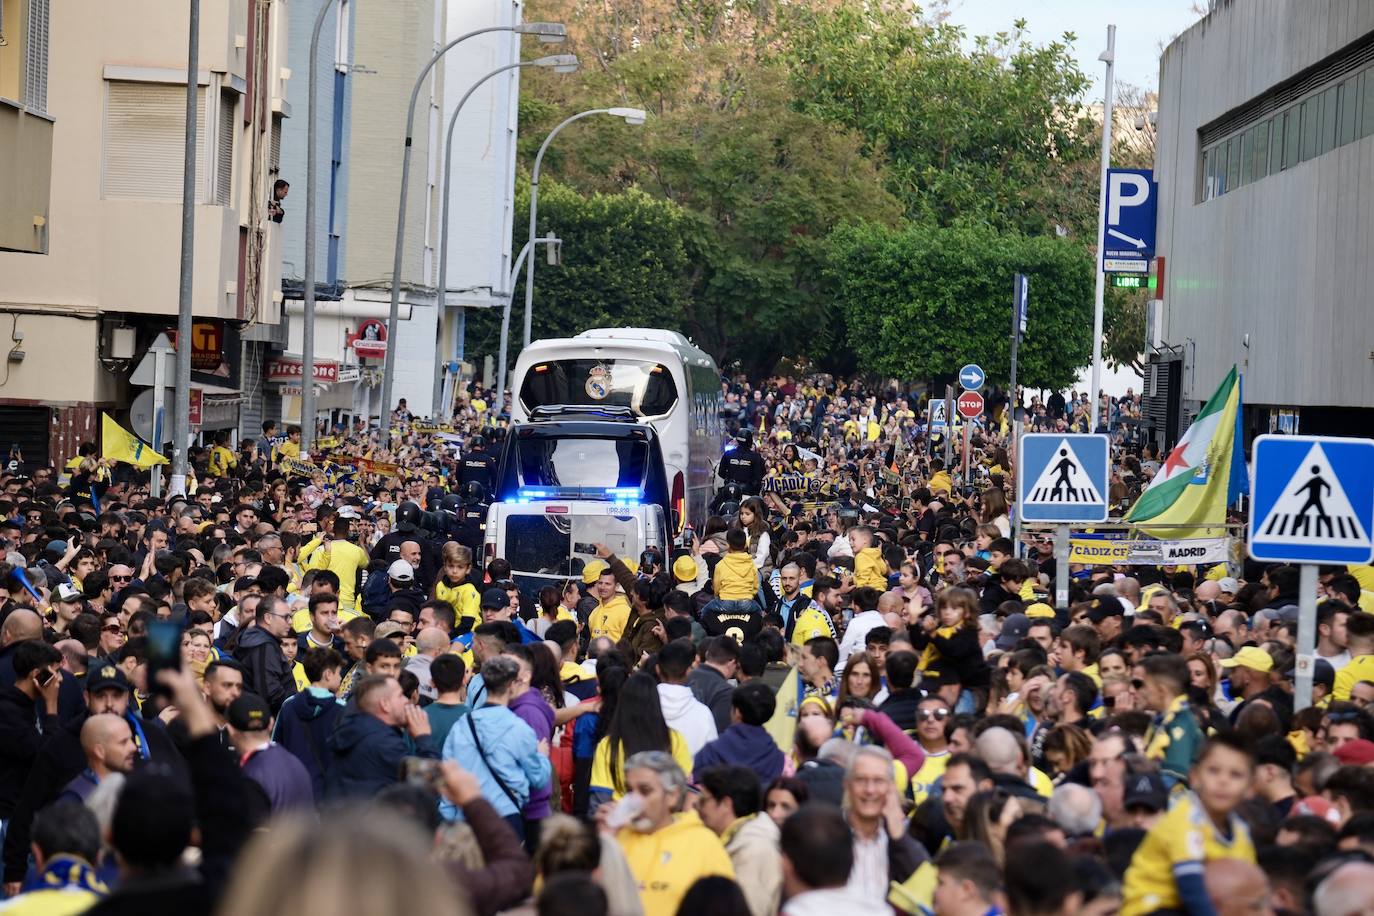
[[482, 186]]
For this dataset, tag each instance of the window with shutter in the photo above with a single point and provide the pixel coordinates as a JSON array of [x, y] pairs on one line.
[[274, 162], [145, 135], [224, 150], [36, 58]]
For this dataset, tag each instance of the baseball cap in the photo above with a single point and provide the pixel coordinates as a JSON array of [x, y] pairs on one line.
[[1322, 673], [1251, 657], [68, 592], [350, 512], [401, 571], [1145, 790], [390, 628], [243, 583], [1357, 753], [495, 598], [1229, 584], [685, 569], [58, 547], [1105, 607], [104, 676], [592, 571], [1014, 629], [250, 713], [1040, 609]]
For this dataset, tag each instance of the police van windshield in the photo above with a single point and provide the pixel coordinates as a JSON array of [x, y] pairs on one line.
[[645, 387], [582, 463]]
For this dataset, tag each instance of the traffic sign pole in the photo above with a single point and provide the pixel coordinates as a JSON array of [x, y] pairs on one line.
[[968, 429], [1061, 566], [949, 427], [1109, 57], [1307, 636], [1312, 503]]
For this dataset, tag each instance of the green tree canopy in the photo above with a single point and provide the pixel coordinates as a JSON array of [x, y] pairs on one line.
[[644, 282], [922, 301]]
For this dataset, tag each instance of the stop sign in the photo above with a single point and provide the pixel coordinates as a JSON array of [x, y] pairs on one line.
[[970, 405]]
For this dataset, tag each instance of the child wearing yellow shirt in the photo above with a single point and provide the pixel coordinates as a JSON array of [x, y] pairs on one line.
[[870, 569], [1166, 872]]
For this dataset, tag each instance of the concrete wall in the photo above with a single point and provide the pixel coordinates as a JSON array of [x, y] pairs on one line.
[[122, 256], [395, 39], [1285, 260], [483, 177], [331, 73]]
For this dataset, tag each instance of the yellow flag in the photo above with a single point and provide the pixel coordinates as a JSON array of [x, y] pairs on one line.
[[783, 726], [118, 444]]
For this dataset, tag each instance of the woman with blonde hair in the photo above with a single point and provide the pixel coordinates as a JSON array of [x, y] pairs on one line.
[[195, 653]]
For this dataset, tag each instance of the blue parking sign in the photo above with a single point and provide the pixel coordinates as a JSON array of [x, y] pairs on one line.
[[1313, 500]]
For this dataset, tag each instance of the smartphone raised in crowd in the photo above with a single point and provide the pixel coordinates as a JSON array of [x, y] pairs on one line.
[[164, 650]]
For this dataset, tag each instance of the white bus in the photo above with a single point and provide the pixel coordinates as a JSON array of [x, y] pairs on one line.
[[667, 381]]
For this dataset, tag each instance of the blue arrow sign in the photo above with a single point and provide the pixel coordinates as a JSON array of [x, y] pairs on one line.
[[1313, 500], [972, 377], [1062, 477]]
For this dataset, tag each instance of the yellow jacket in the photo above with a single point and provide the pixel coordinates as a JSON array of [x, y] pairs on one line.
[[941, 481], [870, 569], [667, 862], [462, 596], [609, 619], [736, 577], [345, 559]]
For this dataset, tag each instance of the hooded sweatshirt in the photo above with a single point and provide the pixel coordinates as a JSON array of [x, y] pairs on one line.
[[667, 862], [743, 745], [736, 577], [687, 716], [303, 728], [536, 712]]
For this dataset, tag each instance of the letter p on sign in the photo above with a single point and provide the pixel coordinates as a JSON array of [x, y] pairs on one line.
[[1124, 189]]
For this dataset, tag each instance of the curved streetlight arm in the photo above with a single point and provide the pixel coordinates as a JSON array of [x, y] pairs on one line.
[[438, 391], [308, 317], [544, 30]]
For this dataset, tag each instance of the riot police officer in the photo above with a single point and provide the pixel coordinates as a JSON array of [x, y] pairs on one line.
[[478, 466], [742, 465]]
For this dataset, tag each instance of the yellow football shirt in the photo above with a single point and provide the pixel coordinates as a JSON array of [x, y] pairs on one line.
[[1178, 845]]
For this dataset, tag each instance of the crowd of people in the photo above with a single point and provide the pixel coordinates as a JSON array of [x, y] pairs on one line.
[[281, 694]]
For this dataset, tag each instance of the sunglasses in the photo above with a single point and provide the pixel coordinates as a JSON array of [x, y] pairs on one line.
[[925, 715], [113, 628], [1137, 684], [121, 578]]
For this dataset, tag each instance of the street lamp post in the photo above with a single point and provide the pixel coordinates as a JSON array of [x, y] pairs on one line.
[[308, 319], [549, 32], [494, 411], [443, 213], [632, 116], [181, 409]]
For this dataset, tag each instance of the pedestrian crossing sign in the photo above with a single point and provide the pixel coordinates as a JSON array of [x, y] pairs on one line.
[[1062, 478], [1313, 500]]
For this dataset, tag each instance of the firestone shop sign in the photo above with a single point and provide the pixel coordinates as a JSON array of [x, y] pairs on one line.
[[290, 369]]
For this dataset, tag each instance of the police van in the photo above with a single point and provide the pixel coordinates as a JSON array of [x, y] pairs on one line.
[[569, 480]]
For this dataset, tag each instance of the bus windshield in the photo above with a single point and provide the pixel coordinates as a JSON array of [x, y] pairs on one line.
[[647, 388], [582, 463]]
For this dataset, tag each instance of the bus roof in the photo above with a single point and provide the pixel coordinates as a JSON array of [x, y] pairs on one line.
[[643, 339]]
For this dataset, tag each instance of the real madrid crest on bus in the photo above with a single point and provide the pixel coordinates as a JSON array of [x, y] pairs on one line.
[[598, 383]]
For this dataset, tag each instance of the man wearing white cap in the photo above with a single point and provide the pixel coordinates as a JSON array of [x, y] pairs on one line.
[[67, 603]]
